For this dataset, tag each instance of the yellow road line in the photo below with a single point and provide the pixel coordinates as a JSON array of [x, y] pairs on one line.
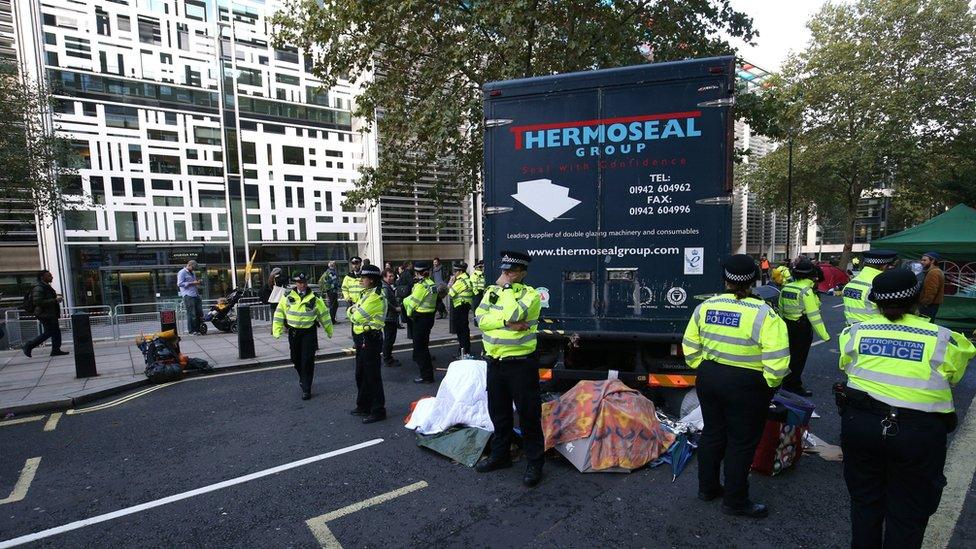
[[23, 483], [20, 420], [959, 470], [319, 525], [52, 422]]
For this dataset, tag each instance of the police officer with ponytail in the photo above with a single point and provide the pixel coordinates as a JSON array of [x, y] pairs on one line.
[[800, 307], [896, 410], [509, 319], [368, 318], [741, 351]]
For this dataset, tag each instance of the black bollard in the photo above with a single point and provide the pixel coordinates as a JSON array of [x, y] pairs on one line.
[[84, 350], [245, 335]]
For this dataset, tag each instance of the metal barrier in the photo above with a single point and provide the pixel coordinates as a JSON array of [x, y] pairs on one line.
[[119, 322]]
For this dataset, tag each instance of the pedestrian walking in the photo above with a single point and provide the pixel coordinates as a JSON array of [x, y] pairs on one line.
[[368, 316], [440, 277], [509, 318], [741, 351], [933, 286], [45, 304], [301, 312], [329, 287], [420, 306], [478, 282], [896, 411], [189, 290], [857, 306], [799, 306], [391, 321], [461, 294], [764, 267]]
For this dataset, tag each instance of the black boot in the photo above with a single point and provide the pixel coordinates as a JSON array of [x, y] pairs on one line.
[[751, 510], [375, 416], [492, 464], [533, 474]]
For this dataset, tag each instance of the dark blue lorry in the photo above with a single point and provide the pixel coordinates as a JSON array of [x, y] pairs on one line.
[[618, 183]]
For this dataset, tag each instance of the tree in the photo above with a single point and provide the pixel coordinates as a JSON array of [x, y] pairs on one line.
[[882, 92], [431, 58], [36, 162]]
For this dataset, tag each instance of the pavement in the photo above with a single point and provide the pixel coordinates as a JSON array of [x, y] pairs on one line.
[[43, 382], [237, 459]]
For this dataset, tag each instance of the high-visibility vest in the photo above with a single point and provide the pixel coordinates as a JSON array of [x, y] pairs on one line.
[[745, 333], [799, 298], [908, 363], [422, 299], [351, 287], [461, 291], [513, 303], [369, 313], [478, 281], [781, 275], [300, 312], [857, 306]]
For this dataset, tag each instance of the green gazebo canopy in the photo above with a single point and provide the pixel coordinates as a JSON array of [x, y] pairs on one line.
[[952, 234]]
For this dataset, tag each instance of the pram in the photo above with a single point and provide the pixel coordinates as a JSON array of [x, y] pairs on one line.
[[222, 314]]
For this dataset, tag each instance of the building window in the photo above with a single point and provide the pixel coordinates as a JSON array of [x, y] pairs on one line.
[[191, 154], [250, 77], [287, 79], [135, 154], [293, 155], [169, 118], [149, 32], [211, 199], [202, 222], [126, 226], [209, 171], [138, 187], [206, 136], [125, 23], [287, 55], [80, 220], [249, 152], [159, 163], [82, 154], [118, 186], [77, 47], [102, 22], [50, 39], [195, 10], [117, 116], [162, 135], [182, 36]]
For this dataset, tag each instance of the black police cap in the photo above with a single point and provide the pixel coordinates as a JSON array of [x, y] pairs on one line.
[[804, 266], [355, 259], [740, 269], [879, 257], [421, 266], [299, 277], [460, 266], [512, 259], [371, 270], [894, 285]]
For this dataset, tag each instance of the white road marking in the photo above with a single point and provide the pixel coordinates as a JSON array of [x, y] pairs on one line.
[[52, 422], [959, 470], [319, 527], [818, 342], [23, 482], [184, 495], [20, 420], [838, 306]]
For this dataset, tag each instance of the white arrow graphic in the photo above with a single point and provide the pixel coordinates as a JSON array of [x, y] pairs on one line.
[[542, 197]]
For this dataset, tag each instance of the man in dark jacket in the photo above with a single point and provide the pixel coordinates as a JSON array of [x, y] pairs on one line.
[[441, 277], [46, 307], [404, 285], [391, 322]]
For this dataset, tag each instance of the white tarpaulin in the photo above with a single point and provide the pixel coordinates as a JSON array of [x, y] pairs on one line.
[[462, 399]]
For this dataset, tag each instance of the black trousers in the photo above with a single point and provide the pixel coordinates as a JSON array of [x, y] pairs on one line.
[[423, 323], [302, 343], [440, 307], [50, 328], [515, 380], [389, 339], [930, 311], [369, 380], [332, 298], [734, 404], [895, 481], [801, 337], [459, 317]]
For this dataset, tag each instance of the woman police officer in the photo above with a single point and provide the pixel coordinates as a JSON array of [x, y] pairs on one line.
[[740, 348], [896, 410]]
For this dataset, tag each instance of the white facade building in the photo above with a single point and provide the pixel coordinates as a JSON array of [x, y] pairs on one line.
[[197, 139]]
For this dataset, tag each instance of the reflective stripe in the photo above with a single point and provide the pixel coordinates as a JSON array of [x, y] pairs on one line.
[[942, 406], [938, 355], [696, 316], [731, 356], [692, 356], [507, 341], [862, 283], [900, 328], [712, 336], [742, 302], [860, 310], [935, 382], [778, 373], [782, 353], [849, 348], [302, 314], [689, 343], [758, 323]]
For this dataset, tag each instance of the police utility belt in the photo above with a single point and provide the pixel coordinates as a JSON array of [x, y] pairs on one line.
[[508, 358], [849, 397]]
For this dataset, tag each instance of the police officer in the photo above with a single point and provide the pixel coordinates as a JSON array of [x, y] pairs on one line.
[[896, 410], [740, 348], [799, 306], [857, 306], [478, 282], [509, 318], [299, 311], [461, 294], [368, 316], [420, 306], [351, 285]]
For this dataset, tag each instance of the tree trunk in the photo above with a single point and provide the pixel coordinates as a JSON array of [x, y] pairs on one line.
[[845, 256]]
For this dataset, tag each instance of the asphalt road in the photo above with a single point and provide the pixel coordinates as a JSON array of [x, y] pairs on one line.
[[195, 434]]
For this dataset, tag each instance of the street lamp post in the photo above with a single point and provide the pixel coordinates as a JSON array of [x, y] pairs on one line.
[[789, 199]]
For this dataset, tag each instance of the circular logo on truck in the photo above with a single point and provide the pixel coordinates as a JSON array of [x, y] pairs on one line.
[[677, 296], [543, 296]]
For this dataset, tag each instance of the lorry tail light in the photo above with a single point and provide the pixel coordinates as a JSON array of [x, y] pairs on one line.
[[494, 93], [545, 374], [716, 70]]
